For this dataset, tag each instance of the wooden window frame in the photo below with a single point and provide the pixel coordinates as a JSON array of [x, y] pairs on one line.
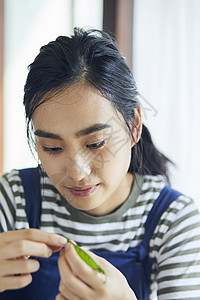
[[118, 21]]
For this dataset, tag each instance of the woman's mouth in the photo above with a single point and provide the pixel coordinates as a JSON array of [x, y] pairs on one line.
[[82, 191]]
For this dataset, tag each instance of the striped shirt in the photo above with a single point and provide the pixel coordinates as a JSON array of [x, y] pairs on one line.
[[174, 246]]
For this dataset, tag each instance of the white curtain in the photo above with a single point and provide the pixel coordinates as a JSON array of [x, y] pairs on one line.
[[166, 65]]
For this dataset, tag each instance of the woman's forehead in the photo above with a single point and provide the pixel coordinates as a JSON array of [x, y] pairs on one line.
[[75, 104]]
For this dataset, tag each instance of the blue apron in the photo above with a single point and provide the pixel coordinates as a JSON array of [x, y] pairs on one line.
[[135, 264]]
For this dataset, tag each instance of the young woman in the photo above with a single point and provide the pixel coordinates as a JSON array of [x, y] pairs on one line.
[[100, 182]]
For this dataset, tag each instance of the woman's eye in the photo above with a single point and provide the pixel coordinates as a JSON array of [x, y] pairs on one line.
[[51, 150], [96, 145]]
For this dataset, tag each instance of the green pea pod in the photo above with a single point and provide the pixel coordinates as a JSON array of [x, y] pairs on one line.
[[87, 259]]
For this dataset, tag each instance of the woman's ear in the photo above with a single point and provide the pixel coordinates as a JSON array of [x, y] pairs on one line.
[[136, 127]]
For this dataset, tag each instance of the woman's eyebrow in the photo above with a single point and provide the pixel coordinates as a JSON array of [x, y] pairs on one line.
[[48, 135], [91, 129], [83, 132]]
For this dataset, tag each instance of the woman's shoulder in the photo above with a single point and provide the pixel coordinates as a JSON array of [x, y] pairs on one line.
[[152, 187], [12, 197], [10, 179], [11, 190], [10, 174], [180, 214]]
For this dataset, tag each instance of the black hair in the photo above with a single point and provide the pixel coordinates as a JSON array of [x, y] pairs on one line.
[[91, 56]]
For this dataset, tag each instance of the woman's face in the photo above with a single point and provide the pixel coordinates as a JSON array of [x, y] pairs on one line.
[[85, 148]]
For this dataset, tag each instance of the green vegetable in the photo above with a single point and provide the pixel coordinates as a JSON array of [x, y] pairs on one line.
[[87, 259]]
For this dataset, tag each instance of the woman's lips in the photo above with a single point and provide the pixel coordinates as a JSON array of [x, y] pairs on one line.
[[82, 191]]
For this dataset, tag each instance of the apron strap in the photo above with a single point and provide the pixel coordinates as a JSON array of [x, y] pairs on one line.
[[166, 197], [32, 193]]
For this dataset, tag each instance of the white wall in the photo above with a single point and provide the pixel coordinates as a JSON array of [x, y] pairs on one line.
[[29, 24], [167, 71], [88, 13]]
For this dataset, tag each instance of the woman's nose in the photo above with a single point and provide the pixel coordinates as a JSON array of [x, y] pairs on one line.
[[78, 167]]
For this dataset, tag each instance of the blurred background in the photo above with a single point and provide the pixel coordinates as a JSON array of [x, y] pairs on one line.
[[161, 42]]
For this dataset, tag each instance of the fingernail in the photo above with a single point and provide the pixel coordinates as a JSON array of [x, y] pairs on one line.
[[61, 240], [102, 277]]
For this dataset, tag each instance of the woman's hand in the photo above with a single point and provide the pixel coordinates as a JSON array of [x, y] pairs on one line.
[[15, 249], [80, 282]]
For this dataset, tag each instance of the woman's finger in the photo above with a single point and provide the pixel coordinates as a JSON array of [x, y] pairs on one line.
[[21, 248], [37, 235], [14, 282], [70, 283], [20, 266], [93, 278]]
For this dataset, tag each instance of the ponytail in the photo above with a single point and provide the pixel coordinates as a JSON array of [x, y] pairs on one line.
[[146, 159]]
